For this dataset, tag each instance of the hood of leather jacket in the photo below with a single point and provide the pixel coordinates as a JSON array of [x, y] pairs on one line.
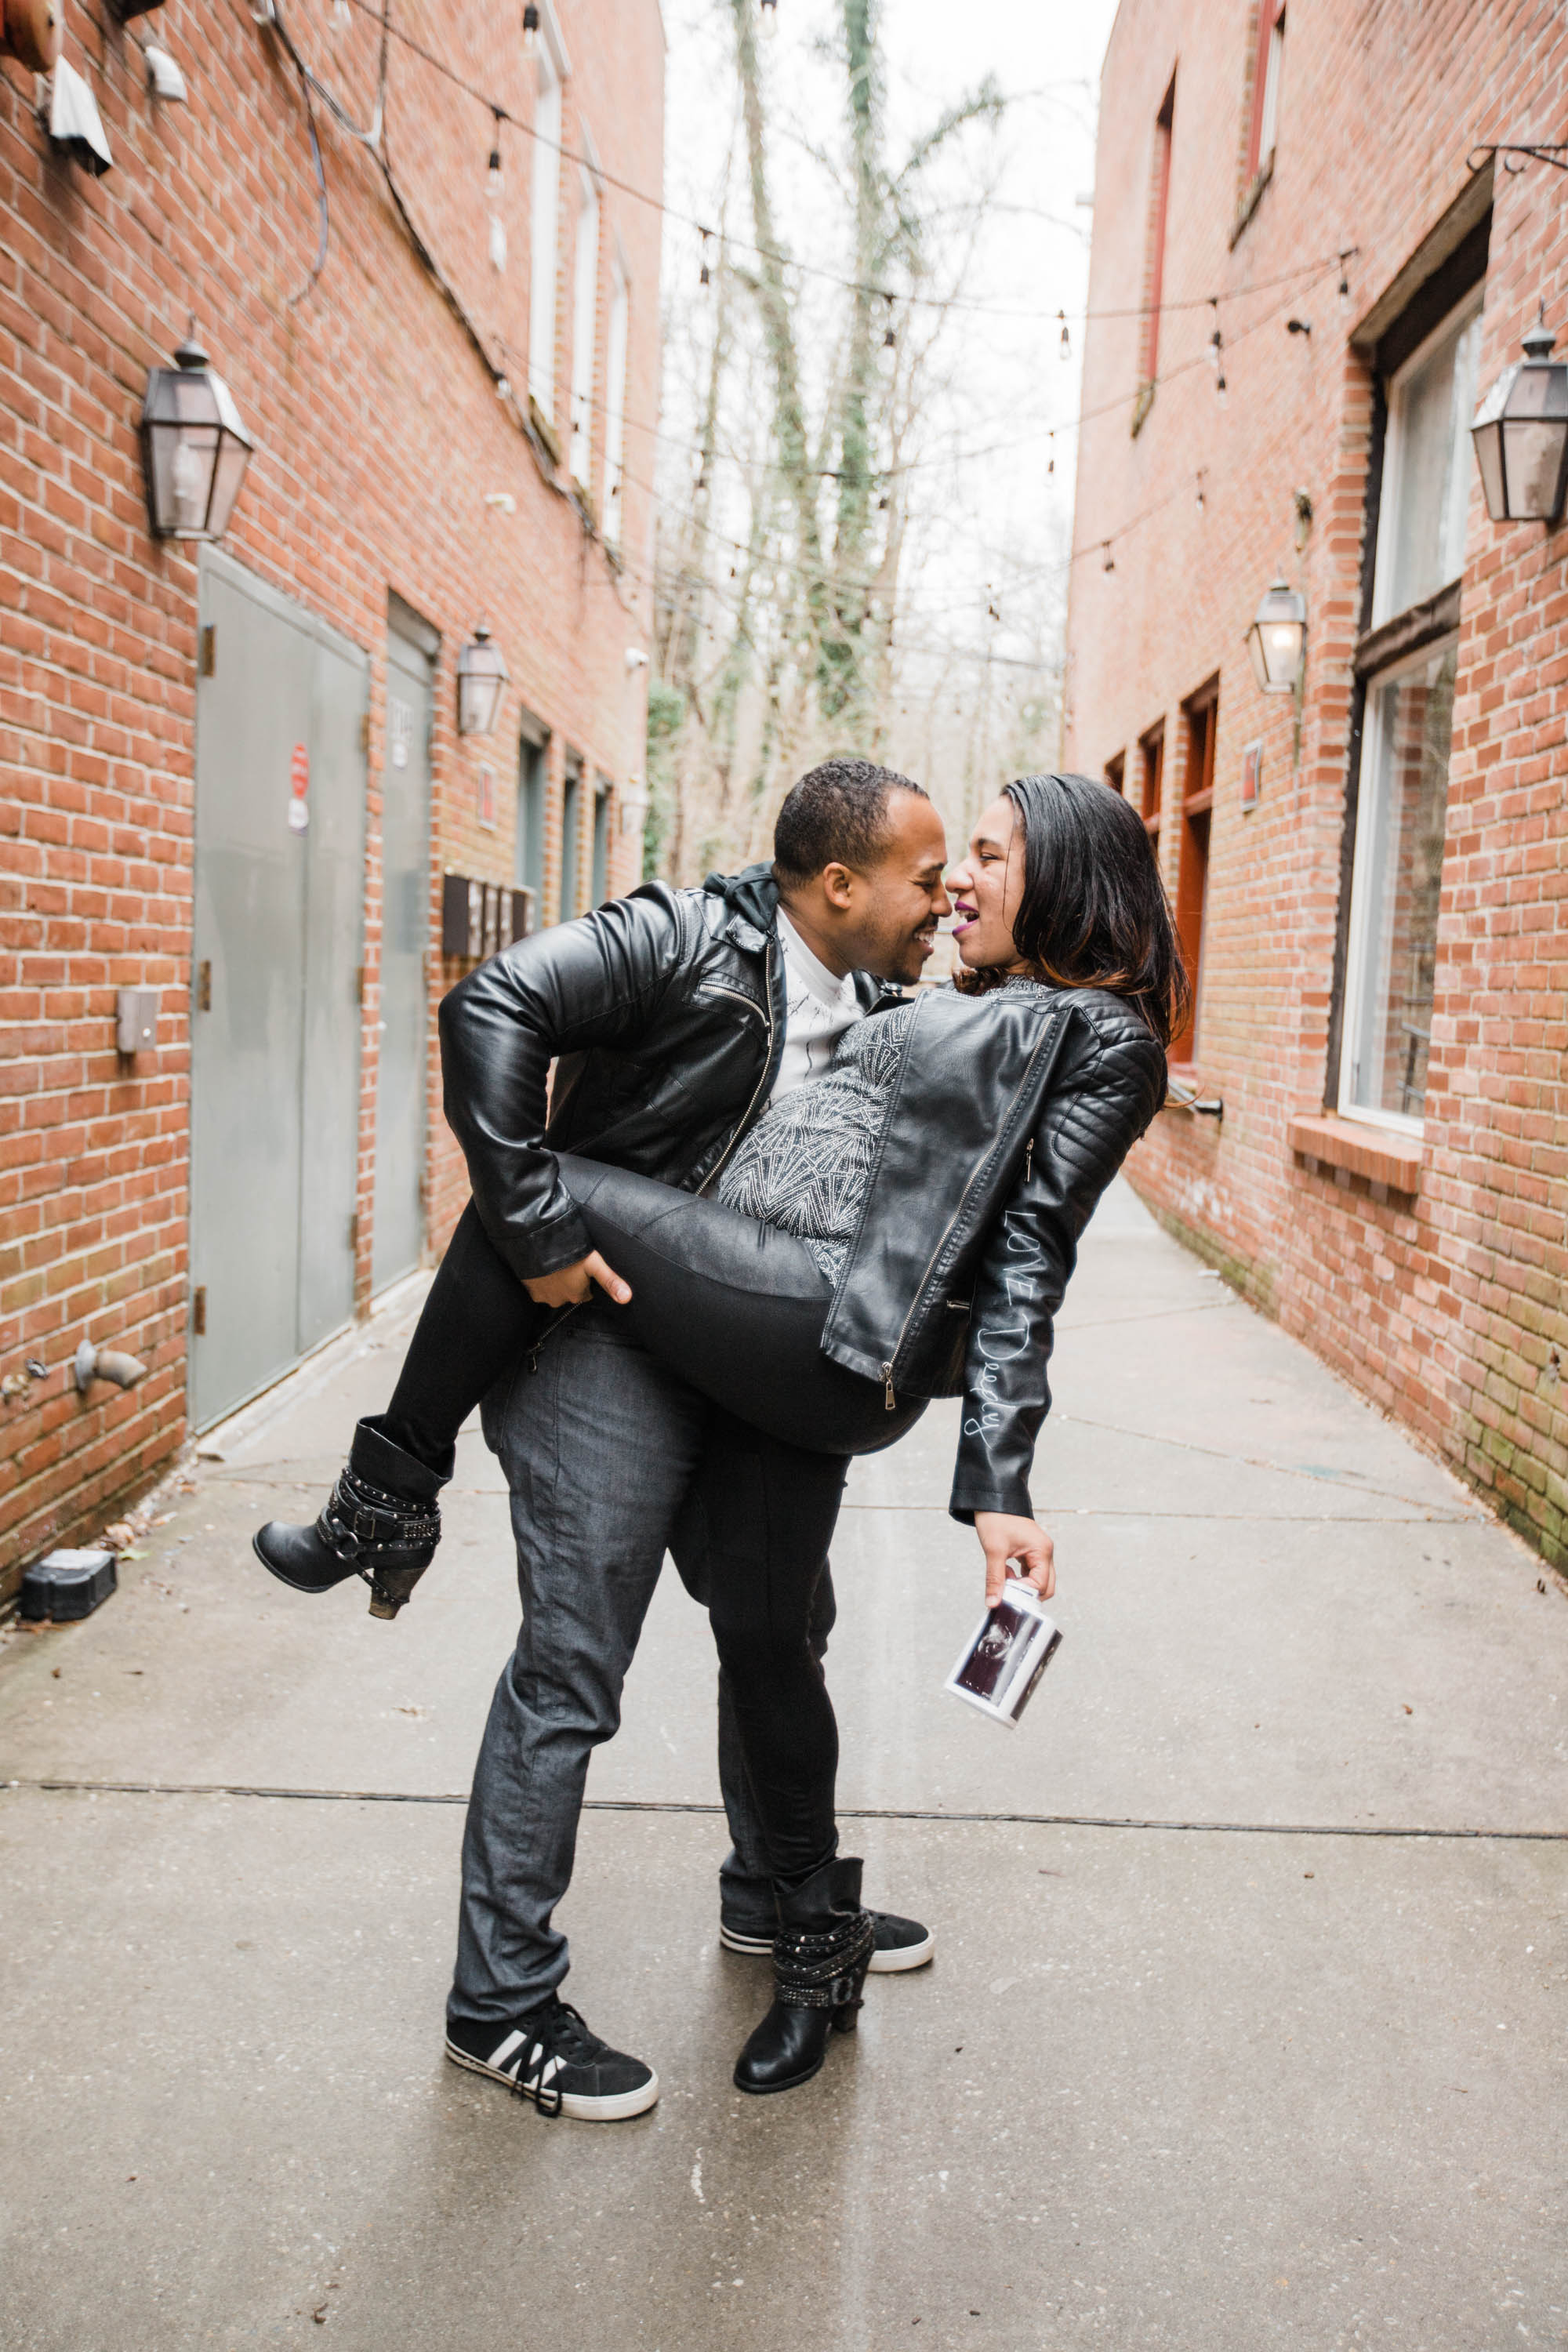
[[752, 899]]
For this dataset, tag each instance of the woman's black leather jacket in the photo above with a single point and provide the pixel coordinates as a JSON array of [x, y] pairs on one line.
[[1010, 1115]]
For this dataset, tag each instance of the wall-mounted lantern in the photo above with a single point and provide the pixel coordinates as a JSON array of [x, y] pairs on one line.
[[30, 32], [481, 676], [193, 447], [1521, 435], [1278, 639]]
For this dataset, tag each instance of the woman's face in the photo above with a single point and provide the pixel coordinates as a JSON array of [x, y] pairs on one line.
[[987, 888]]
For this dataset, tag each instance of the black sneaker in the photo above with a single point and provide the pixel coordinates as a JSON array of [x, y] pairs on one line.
[[901, 1943], [551, 2057]]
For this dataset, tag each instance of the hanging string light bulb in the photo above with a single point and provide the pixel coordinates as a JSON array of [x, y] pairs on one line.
[[769, 18], [530, 29], [1051, 453], [342, 18], [1344, 281], [704, 277], [494, 190], [1109, 564], [889, 353], [1216, 355], [1064, 348], [1202, 504]]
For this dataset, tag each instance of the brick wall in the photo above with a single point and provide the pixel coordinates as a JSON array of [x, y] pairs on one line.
[[382, 441], [1443, 1303]]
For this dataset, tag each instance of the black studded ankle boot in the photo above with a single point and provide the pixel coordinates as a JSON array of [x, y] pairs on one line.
[[820, 1956], [382, 1521]]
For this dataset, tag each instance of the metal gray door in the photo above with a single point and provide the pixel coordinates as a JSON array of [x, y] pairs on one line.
[[397, 1239], [280, 860]]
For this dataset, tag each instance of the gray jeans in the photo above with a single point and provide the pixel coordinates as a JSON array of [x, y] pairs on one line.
[[600, 1447]]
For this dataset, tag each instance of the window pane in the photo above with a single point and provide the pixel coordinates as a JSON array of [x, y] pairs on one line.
[[1269, 129], [584, 310], [1422, 545], [1398, 876], [542, 242]]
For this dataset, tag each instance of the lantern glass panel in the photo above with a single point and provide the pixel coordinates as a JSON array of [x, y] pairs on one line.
[[1488, 440], [477, 699], [182, 458], [1532, 461], [233, 459]]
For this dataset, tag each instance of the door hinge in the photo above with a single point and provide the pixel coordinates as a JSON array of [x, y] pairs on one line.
[[203, 986], [364, 731], [359, 985], [199, 1310], [353, 1231], [208, 663]]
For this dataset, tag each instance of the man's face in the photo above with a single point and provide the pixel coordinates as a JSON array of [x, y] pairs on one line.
[[896, 905]]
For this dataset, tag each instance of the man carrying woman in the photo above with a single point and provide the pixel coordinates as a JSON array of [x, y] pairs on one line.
[[815, 1262]]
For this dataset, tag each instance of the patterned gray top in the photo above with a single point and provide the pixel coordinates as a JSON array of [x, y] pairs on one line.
[[807, 1164]]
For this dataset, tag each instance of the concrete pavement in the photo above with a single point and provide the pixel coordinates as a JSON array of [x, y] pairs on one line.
[[1237, 2034]]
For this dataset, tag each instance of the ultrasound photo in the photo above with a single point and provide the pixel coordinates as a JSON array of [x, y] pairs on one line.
[[1010, 1651]]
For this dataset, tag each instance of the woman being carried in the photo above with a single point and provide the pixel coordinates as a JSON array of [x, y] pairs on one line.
[[901, 1229]]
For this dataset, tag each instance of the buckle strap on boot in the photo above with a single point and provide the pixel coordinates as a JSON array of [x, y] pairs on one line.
[[361, 1521], [823, 1971]]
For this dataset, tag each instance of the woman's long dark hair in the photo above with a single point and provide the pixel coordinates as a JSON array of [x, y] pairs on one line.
[[1094, 913]]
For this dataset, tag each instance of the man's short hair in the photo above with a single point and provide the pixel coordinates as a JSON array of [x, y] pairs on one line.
[[836, 816]]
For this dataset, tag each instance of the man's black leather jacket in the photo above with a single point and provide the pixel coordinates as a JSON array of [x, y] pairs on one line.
[[1010, 1115], [667, 1013]]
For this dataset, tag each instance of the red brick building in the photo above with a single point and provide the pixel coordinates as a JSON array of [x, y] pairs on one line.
[[1305, 273], [234, 775]]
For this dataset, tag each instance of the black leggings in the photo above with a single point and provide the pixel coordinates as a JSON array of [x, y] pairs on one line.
[[734, 1306], [736, 1309]]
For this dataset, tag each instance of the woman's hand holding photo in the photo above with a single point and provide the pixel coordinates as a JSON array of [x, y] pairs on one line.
[[1003, 1538]]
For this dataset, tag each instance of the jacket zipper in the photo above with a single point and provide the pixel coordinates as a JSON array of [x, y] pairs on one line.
[[952, 1221], [717, 988], [713, 1177]]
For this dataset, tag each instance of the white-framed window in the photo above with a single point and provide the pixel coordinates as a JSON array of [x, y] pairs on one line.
[[544, 234], [1401, 813], [616, 349], [1273, 73], [1268, 71], [584, 318], [1426, 464]]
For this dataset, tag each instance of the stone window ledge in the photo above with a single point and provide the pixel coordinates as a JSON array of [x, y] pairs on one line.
[[1380, 1154]]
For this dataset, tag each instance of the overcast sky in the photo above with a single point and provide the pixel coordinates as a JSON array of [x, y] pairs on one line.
[[993, 527]]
